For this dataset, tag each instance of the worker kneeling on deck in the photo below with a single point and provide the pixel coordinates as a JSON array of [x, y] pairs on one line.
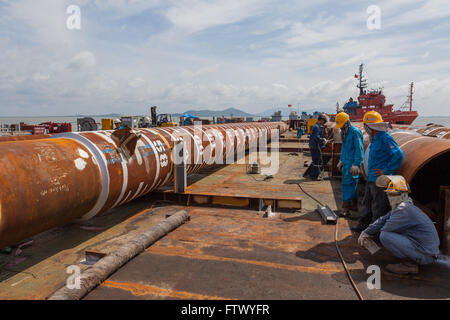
[[352, 156], [316, 144], [382, 157], [405, 231]]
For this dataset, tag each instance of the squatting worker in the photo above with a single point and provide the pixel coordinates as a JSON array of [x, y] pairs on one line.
[[406, 231], [316, 143], [383, 158], [352, 156]]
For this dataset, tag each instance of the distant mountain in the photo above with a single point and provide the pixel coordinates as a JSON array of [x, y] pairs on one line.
[[216, 113], [285, 111]]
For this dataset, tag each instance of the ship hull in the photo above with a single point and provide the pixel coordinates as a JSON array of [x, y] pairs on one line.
[[396, 117]]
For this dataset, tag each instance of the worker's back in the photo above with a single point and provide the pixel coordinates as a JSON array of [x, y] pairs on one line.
[[352, 147], [315, 139]]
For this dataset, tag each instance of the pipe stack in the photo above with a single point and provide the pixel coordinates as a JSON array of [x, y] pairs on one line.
[[49, 182]]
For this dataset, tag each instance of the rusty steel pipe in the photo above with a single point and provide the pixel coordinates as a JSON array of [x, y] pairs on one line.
[[24, 137], [49, 182], [442, 132], [436, 131]]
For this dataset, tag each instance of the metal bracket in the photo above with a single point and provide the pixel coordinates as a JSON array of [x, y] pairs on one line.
[[180, 180]]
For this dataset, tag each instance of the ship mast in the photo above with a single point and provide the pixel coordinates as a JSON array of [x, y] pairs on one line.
[[410, 97], [362, 82]]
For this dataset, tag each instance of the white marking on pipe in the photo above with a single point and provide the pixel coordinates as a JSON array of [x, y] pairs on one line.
[[155, 152], [125, 199], [80, 164], [137, 152], [143, 191], [83, 154], [123, 163], [138, 190], [102, 164], [125, 180]]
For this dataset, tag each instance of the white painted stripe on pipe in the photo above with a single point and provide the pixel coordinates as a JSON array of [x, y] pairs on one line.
[[123, 163], [158, 165], [103, 168]]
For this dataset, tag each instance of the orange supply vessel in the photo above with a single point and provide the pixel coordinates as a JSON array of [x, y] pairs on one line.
[[374, 100]]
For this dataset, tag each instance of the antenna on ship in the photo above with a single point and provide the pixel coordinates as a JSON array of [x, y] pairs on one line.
[[362, 82]]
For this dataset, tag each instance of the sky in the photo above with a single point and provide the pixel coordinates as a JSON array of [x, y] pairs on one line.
[[253, 55]]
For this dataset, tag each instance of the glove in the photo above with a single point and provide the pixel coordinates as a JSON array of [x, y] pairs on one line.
[[362, 237], [339, 165], [354, 170]]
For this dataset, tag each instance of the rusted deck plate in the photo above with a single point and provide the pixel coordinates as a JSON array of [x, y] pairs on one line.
[[236, 254], [40, 269]]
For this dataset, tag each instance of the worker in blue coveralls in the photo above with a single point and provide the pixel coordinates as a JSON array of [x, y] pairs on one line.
[[405, 231], [352, 156], [382, 157], [316, 143]]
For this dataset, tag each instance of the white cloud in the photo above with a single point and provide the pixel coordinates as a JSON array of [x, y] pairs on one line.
[[197, 15], [82, 60], [136, 82], [186, 74], [40, 77]]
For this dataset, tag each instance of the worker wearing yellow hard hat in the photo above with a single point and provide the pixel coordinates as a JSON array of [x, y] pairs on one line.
[[341, 119], [352, 156], [382, 157], [405, 231]]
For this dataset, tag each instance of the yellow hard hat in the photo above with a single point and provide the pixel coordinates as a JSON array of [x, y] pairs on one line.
[[341, 119], [393, 184], [372, 117]]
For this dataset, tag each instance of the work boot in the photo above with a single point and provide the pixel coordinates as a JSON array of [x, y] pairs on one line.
[[345, 212], [403, 268], [354, 205]]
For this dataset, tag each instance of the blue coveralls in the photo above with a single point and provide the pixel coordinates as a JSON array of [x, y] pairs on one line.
[[407, 233], [352, 153], [386, 155], [316, 142]]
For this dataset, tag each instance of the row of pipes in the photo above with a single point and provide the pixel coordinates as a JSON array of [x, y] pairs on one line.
[[50, 181]]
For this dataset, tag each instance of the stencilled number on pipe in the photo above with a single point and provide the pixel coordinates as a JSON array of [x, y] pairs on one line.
[[164, 161], [159, 146]]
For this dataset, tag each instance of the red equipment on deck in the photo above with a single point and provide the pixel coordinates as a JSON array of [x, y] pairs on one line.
[[53, 127]]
